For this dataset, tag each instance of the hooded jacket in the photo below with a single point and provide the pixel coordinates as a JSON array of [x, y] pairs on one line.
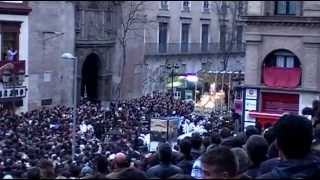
[[302, 168]]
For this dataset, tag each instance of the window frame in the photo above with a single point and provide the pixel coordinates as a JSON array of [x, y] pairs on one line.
[[185, 44], [287, 8], [208, 37], [159, 42], [184, 9], [10, 27], [163, 7], [204, 9]]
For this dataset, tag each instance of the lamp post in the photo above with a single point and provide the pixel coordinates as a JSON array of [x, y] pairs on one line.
[[68, 56], [172, 68]]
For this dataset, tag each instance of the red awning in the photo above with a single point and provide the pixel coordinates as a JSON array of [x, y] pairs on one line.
[[281, 77], [265, 118], [264, 115]]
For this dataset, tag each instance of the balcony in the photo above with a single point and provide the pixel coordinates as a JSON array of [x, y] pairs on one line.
[[13, 66], [189, 48], [281, 77]]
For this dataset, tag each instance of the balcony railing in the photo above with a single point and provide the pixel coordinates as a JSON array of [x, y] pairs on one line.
[[189, 48], [282, 77], [15, 66]]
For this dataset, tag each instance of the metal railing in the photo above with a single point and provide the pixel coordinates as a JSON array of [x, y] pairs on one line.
[[189, 48]]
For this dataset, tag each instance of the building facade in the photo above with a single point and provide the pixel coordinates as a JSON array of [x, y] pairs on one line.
[[282, 66], [14, 38], [50, 77], [190, 34], [86, 29]]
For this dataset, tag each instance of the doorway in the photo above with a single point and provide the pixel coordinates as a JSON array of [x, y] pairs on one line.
[[89, 81]]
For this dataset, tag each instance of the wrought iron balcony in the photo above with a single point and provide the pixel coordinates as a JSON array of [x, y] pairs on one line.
[[14, 66], [189, 48], [12, 73]]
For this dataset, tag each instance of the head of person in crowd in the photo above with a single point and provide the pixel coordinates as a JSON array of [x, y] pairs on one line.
[[243, 161], [131, 173], [234, 141], [120, 161], [196, 140], [46, 169], [206, 142], [225, 133], [33, 173], [75, 171], [251, 130], [164, 153], [293, 136], [185, 148], [219, 163], [269, 135], [257, 148], [102, 165]]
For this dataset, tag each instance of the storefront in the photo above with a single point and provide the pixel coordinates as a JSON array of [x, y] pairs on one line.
[[265, 105]]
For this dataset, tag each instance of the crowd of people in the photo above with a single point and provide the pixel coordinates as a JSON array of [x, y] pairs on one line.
[[37, 144]]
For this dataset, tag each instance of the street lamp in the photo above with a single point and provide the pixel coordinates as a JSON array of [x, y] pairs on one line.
[[68, 56], [172, 67]]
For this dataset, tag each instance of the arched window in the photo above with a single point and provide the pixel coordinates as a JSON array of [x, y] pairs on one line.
[[282, 58], [281, 68]]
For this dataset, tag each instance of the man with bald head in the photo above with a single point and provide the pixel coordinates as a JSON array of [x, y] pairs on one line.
[[119, 163]]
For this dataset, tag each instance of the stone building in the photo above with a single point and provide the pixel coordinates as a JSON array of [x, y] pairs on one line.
[[188, 33], [51, 33], [86, 29], [14, 50], [282, 58]]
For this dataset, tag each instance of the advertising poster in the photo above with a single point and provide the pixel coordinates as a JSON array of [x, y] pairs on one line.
[[158, 130], [173, 130]]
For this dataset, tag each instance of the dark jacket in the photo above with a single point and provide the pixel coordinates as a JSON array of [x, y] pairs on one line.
[[304, 168], [163, 171], [186, 166], [268, 165]]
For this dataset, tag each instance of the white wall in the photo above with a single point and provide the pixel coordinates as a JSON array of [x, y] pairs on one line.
[[23, 49]]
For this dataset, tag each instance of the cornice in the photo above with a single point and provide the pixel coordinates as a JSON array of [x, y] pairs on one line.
[[282, 20]]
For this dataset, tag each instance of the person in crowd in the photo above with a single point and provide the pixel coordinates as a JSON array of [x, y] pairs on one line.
[[46, 169], [131, 173], [186, 163], [257, 148], [165, 169], [119, 163], [218, 163], [33, 173], [243, 161], [196, 143], [294, 136], [251, 130]]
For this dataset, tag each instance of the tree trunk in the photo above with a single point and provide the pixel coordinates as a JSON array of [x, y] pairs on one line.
[[122, 70]]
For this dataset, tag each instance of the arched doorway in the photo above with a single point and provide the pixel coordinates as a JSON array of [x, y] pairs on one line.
[[89, 73]]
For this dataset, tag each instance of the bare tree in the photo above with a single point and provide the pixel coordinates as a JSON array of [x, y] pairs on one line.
[[132, 23], [228, 13]]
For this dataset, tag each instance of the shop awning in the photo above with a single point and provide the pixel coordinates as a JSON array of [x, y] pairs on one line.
[[264, 115]]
